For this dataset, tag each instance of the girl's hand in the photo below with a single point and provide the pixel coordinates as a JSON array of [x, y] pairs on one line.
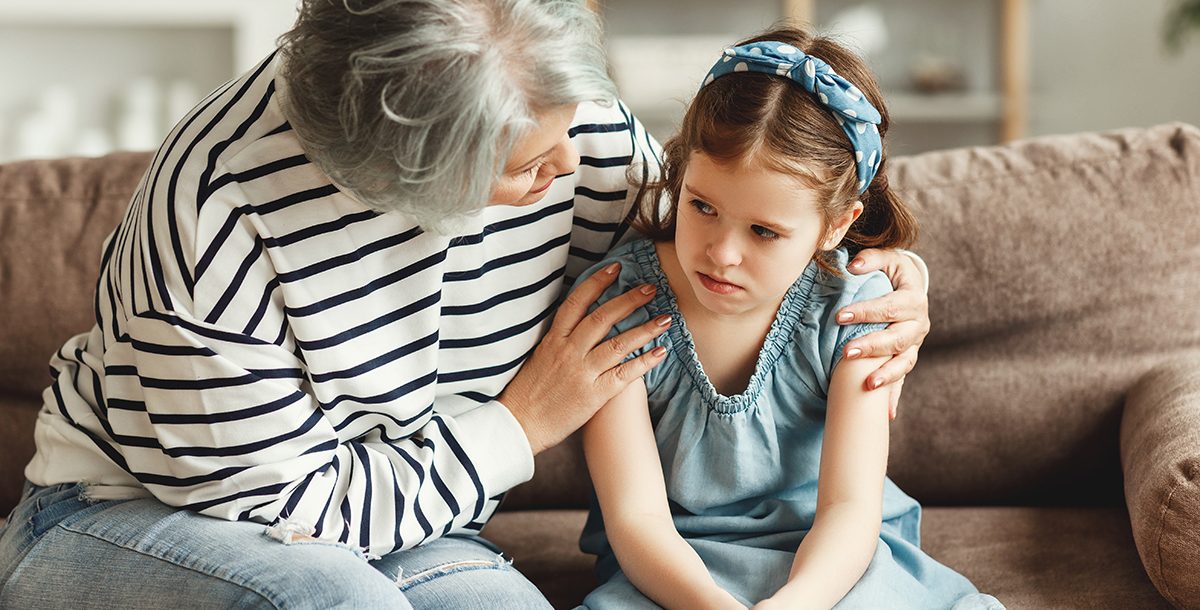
[[771, 604], [906, 310], [574, 370], [723, 600], [787, 598]]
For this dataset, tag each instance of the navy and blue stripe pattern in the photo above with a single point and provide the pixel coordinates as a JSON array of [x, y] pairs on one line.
[[268, 348]]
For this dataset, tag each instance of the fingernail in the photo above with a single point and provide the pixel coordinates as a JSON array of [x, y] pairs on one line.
[[857, 264], [853, 353], [845, 317], [648, 289], [611, 269], [875, 383], [663, 320], [659, 352]]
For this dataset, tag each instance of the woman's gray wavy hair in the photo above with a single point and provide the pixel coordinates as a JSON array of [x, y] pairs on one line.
[[415, 105]]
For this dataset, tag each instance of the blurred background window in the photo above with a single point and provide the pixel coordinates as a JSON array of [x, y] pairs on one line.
[[84, 77]]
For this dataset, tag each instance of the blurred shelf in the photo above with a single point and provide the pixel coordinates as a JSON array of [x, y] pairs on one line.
[[945, 107], [1008, 107], [988, 40]]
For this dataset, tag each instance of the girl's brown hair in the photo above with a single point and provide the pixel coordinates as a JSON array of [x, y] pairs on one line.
[[749, 117]]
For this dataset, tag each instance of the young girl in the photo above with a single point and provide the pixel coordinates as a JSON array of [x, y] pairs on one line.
[[748, 468]]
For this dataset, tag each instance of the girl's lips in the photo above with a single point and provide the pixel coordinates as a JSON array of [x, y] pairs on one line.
[[717, 286]]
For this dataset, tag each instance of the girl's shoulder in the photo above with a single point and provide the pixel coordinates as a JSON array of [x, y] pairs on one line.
[[818, 337], [637, 266], [837, 290]]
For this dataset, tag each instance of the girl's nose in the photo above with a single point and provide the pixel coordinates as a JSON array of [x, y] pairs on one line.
[[723, 250]]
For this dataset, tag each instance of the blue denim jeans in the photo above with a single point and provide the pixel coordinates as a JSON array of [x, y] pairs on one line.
[[62, 550]]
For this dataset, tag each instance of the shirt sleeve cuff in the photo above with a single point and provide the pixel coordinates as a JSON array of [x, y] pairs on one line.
[[497, 446], [920, 263]]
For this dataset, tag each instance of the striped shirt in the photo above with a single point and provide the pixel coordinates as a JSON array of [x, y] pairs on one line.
[[267, 348]]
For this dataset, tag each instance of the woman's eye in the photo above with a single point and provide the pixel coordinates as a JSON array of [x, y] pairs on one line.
[[764, 232], [702, 207]]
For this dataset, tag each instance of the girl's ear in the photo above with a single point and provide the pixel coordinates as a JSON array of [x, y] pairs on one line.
[[841, 224]]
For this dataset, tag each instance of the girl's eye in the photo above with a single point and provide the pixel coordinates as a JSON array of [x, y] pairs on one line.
[[703, 208], [764, 232]]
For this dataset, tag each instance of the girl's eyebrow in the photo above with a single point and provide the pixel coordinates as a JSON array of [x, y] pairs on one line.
[[774, 226], [697, 193]]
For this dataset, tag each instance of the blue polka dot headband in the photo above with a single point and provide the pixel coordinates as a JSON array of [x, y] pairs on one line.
[[858, 118]]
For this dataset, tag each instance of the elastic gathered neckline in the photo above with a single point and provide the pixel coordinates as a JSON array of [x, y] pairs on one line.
[[779, 337]]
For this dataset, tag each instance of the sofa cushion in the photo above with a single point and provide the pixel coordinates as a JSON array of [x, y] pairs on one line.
[[54, 216], [1063, 269], [1160, 452], [17, 414], [1042, 558]]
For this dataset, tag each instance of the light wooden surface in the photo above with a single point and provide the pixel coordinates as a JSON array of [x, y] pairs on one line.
[[1014, 85], [799, 11]]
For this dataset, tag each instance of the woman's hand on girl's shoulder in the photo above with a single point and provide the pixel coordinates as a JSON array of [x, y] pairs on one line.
[[576, 368], [905, 310]]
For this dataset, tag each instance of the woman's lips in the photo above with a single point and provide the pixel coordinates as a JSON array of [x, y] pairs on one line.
[[717, 286], [544, 187]]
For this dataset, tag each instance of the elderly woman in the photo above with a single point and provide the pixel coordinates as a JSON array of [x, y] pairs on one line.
[[327, 339]]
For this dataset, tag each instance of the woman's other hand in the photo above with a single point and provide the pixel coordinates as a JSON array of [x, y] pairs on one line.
[[575, 370], [906, 311]]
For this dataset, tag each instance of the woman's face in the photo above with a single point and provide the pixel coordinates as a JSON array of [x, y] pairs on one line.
[[541, 155]]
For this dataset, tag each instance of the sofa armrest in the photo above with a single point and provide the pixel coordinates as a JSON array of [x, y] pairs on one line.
[[1160, 458]]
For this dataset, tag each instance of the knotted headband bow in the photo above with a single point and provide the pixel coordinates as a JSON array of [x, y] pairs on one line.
[[857, 117]]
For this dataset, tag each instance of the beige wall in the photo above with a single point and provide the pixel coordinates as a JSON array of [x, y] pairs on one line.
[[1101, 64]]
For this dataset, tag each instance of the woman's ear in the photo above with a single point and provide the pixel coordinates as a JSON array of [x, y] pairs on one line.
[[839, 226]]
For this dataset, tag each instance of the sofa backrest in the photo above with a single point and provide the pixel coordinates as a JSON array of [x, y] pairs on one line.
[[1063, 268], [54, 216]]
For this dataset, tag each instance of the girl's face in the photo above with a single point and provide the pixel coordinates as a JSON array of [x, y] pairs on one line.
[[539, 156], [744, 234]]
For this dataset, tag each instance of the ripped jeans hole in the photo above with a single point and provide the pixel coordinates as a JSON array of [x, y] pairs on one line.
[[291, 532], [94, 494], [499, 563]]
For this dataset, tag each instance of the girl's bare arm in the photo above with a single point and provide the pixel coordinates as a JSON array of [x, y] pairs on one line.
[[838, 549], [622, 458]]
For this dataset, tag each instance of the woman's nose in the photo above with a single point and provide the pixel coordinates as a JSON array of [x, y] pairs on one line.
[[564, 159]]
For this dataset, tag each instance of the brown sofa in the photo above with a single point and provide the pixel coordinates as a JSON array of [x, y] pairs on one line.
[[1052, 428]]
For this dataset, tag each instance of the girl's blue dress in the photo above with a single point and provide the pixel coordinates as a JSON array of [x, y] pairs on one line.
[[741, 471]]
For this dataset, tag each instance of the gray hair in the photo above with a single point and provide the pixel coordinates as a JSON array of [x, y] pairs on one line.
[[415, 105]]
